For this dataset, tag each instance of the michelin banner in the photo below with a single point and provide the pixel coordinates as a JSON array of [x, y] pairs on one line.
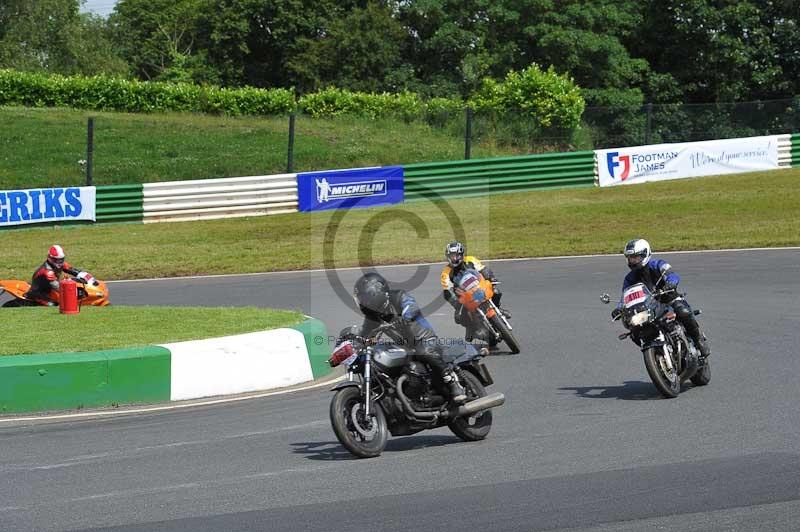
[[344, 189], [42, 205], [628, 166]]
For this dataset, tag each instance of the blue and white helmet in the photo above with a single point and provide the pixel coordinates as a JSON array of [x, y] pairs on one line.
[[637, 252]]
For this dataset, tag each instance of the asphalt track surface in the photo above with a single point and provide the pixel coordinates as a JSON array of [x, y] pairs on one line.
[[584, 441]]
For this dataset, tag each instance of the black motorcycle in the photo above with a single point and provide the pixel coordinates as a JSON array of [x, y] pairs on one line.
[[388, 392], [670, 355]]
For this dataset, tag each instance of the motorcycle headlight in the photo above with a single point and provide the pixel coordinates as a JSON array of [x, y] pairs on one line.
[[639, 318]]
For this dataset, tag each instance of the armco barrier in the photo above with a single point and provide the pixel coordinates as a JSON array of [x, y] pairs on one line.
[[206, 199], [151, 374], [476, 177], [787, 145], [119, 203], [795, 148]]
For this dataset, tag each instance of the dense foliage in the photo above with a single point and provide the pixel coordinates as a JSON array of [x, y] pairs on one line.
[[623, 54]]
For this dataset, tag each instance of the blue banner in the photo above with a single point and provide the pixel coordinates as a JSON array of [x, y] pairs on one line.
[[344, 189], [40, 205]]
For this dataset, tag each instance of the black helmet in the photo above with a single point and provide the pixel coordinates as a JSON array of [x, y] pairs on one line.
[[371, 292], [454, 253]]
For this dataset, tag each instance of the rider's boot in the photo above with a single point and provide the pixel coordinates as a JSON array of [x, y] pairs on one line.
[[702, 344], [457, 393]]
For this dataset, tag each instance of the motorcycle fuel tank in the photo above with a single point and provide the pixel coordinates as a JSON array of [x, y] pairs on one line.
[[390, 357]]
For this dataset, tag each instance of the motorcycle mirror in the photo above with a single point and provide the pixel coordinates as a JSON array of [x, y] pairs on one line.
[[605, 298]]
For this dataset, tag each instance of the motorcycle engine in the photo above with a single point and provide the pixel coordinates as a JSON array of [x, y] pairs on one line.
[[416, 383]]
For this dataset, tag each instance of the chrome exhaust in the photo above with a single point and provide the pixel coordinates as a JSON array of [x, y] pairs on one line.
[[483, 403]]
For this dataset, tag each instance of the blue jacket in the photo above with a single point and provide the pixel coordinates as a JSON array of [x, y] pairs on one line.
[[650, 274]]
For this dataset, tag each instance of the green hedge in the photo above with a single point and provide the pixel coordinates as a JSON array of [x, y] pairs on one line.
[[115, 94], [550, 99]]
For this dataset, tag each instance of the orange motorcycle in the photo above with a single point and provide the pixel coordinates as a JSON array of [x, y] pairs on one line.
[[91, 292], [475, 294]]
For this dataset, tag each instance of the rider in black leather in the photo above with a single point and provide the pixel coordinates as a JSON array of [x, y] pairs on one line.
[[380, 305]]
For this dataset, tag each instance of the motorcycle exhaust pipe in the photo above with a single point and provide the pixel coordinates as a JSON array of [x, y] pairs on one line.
[[483, 403]]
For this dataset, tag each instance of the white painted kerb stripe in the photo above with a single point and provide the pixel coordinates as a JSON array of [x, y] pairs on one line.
[[237, 364]]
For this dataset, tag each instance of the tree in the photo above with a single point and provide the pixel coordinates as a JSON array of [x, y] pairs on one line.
[[158, 38], [52, 36], [717, 51], [360, 51]]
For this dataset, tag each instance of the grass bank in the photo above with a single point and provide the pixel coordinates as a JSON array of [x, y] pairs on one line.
[[97, 328], [744, 210], [43, 147]]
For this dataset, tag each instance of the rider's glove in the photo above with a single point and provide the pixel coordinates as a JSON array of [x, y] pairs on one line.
[[669, 286], [399, 322], [86, 277], [616, 313]]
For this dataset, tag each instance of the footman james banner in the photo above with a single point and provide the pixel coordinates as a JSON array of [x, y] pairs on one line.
[[44, 205], [342, 189], [624, 166]]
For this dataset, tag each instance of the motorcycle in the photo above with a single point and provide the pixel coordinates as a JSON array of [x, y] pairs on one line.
[[475, 295], [670, 355], [386, 391], [91, 291]]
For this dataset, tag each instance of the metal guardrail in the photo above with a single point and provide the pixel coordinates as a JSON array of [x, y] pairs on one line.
[[477, 177], [786, 147], [795, 149], [259, 195], [207, 199], [119, 203]]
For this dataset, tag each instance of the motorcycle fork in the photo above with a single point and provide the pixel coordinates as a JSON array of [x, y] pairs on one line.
[[487, 323], [502, 316], [367, 390]]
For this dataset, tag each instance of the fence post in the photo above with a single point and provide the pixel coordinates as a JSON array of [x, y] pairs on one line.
[[468, 134], [648, 127], [290, 156], [89, 150]]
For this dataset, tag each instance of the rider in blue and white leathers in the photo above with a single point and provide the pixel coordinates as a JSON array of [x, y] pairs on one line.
[[657, 274]]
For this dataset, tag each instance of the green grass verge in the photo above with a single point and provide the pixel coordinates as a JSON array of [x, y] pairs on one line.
[[42, 147], [98, 328], [744, 210]]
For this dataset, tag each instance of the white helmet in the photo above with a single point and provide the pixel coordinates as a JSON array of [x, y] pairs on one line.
[[638, 253]]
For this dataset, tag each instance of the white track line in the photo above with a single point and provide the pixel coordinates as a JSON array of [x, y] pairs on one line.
[[350, 268]]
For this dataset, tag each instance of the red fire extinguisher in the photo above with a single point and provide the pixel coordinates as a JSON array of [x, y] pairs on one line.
[[68, 303]]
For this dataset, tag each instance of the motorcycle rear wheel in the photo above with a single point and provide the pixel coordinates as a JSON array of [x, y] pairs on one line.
[[351, 427], [669, 385], [498, 323], [477, 426]]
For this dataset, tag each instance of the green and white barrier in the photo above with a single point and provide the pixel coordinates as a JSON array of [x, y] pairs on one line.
[[170, 372]]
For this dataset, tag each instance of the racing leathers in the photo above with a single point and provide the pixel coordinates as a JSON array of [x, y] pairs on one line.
[[46, 282], [412, 329], [448, 280], [657, 274]]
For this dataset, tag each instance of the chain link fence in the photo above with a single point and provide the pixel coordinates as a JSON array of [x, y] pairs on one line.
[[53, 147]]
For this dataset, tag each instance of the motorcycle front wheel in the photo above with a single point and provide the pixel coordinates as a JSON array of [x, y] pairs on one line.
[[703, 376], [363, 436], [498, 323], [477, 426], [664, 377]]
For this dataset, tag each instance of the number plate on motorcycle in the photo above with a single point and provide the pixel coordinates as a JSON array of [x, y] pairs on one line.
[[634, 295]]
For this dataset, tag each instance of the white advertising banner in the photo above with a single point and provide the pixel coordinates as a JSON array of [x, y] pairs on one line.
[[40, 205], [628, 166]]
